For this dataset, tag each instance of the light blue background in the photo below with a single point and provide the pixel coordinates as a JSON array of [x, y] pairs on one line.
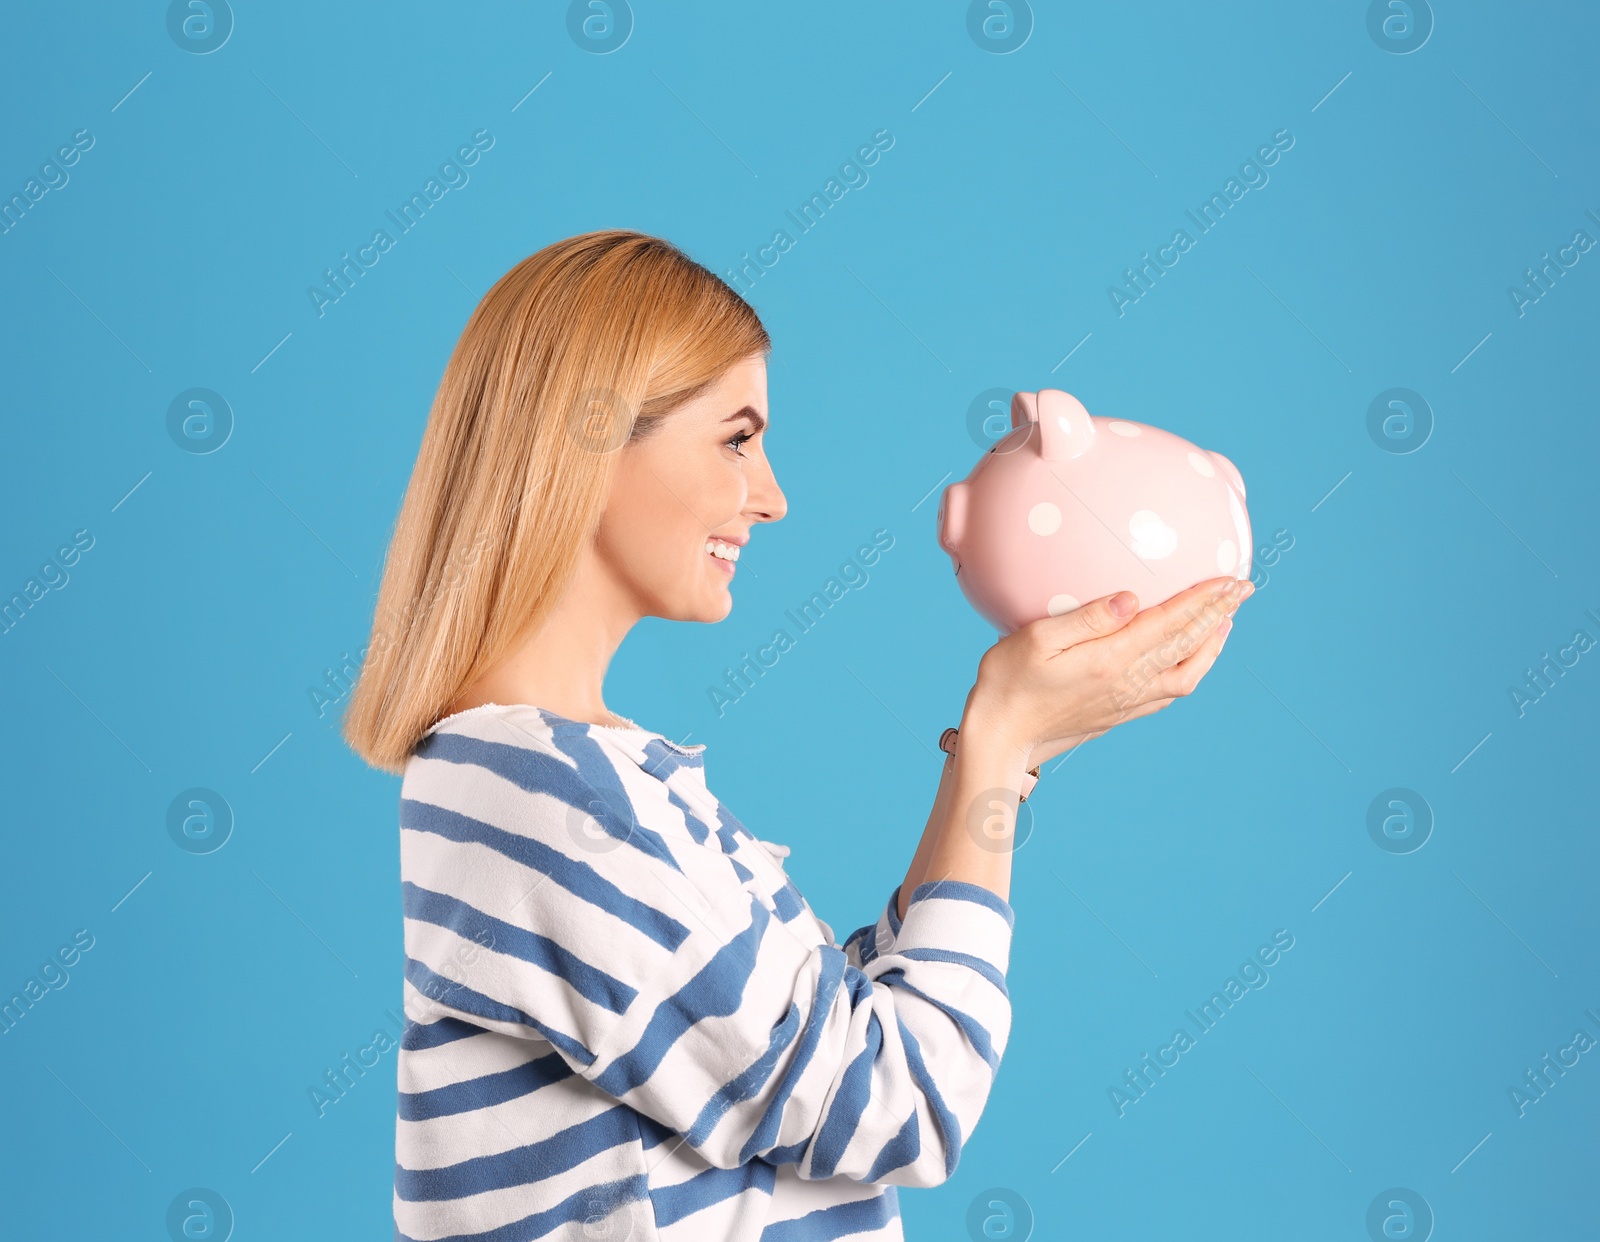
[[1379, 654]]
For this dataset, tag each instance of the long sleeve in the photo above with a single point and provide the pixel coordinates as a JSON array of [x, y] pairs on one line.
[[538, 906], [866, 943]]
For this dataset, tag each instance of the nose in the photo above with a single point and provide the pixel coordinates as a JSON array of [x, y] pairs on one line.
[[765, 501]]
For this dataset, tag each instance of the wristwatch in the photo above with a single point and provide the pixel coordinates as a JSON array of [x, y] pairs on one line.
[[1030, 778]]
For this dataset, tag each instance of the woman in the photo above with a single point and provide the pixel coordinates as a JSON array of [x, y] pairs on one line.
[[623, 1019]]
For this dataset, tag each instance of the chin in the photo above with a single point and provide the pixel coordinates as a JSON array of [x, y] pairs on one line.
[[711, 613], [706, 609]]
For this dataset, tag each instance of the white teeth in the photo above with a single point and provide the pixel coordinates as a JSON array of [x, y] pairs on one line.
[[722, 551]]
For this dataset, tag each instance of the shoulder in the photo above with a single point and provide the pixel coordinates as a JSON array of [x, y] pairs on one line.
[[494, 773], [512, 748], [497, 803]]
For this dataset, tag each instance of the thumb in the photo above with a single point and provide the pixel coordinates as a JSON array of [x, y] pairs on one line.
[[1096, 619]]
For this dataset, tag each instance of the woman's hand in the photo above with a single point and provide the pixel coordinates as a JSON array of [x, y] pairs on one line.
[[1063, 680], [1045, 689]]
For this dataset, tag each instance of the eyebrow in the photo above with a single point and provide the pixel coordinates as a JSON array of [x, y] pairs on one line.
[[749, 412]]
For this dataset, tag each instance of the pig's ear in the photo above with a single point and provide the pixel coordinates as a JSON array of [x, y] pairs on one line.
[[953, 520], [1024, 409], [1229, 471], [1065, 428]]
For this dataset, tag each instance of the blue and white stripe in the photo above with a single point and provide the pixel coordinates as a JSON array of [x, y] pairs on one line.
[[624, 1021]]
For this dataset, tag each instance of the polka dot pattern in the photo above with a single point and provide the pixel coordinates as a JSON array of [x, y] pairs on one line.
[[1177, 508], [1044, 518], [1153, 539]]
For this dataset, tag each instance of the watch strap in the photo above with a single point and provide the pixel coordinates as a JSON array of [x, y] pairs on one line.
[[1030, 778]]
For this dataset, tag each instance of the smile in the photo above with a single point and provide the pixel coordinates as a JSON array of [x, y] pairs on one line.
[[723, 552]]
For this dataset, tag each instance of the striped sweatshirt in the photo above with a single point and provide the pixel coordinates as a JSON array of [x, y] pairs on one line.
[[624, 1022]]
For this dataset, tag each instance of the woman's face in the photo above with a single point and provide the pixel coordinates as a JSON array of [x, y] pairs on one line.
[[684, 499]]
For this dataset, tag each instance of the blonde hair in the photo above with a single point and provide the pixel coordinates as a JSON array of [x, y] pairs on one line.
[[577, 350]]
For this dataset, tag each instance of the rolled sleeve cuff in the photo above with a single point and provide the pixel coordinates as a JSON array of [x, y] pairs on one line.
[[958, 916], [878, 938]]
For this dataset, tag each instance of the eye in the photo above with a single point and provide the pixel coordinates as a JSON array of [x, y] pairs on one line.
[[737, 441]]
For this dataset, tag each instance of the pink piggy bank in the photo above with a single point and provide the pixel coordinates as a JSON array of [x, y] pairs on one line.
[[1066, 508]]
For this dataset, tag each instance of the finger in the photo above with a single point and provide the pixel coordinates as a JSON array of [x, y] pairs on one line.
[[1172, 631], [1146, 674], [1148, 708], [1096, 619], [1203, 604], [1183, 677]]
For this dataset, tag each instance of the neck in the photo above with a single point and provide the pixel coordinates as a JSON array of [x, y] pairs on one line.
[[562, 665]]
